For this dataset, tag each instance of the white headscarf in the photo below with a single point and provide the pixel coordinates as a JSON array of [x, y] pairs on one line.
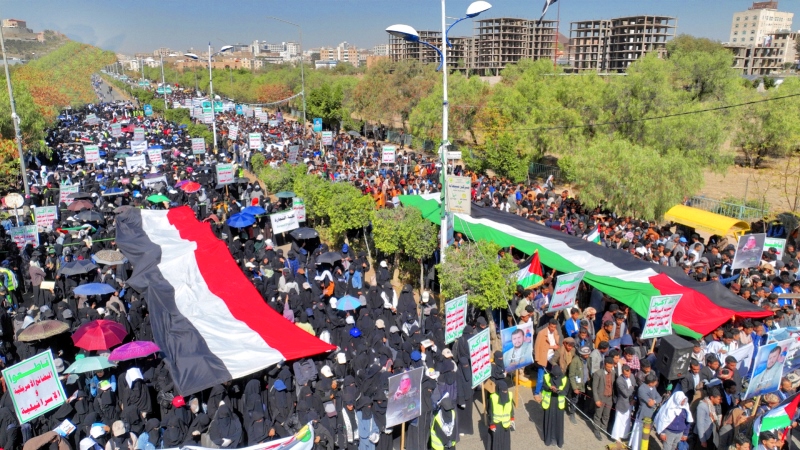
[[671, 410]]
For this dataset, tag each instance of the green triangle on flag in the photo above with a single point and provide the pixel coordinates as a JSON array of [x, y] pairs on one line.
[[531, 276]]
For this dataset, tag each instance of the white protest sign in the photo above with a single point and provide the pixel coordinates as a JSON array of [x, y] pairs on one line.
[[565, 291], [327, 138], [134, 161], [479, 357], [116, 130], [233, 132], [225, 174], [459, 195], [45, 216], [91, 154], [299, 207], [263, 117], [92, 119], [138, 134], [659, 316], [198, 146], [151, 180], [155, 156], [24, 235], [388, 154], [208, 117], [455, 318], [284, 221], [34, 386], [255, 140], [65, 190], [138, 146], [776, 243]]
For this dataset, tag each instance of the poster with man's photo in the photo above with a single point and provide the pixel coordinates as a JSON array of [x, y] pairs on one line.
[[517, 346], [748, 251], [405, 397], [768, 368]]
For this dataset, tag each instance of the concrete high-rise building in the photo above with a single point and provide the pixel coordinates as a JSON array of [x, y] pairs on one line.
[[292, 48], [752, 27], [459, 56], [255, 48], [613, 45], [505, 40]]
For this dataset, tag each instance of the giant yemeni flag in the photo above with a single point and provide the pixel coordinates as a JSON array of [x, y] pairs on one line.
[[532, 275], [702, 308], [206, 316]]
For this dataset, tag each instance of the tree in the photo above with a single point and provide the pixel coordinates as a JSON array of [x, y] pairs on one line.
[[273, 92], [500, 153], [325, 102], [32, 123], [769, 129], [630, 179], [476, 270], [404, 230]]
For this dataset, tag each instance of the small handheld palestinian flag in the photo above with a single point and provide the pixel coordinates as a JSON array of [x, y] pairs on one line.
[[594, 236], [779, 417], [531, 276]]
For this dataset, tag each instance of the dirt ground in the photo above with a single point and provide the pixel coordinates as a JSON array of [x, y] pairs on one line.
[[775, 184]]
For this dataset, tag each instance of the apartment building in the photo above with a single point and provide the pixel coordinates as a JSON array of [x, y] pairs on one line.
[[459, 56], [501, 41], [754, 26]]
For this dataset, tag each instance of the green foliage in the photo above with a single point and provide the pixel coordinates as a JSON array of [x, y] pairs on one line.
[[277, 179], [501, 154], [770, 129], [32, 122], [632, 179], [475, 269]]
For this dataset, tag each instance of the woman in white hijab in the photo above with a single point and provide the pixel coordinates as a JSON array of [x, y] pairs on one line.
[[674, 421]]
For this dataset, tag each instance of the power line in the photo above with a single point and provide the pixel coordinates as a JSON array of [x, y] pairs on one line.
[[644, 119]]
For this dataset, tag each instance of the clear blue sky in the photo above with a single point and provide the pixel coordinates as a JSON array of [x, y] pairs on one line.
[[144, 25]]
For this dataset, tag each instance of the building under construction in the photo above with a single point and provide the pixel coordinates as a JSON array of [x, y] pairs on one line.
[[459, 56], [506, 40], [495, 44], [613, 45]]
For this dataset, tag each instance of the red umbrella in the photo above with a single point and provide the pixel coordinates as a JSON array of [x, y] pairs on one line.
[[99, 335], [191, 186]]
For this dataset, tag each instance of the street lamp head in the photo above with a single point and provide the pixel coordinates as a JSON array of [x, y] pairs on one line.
[[405, 32], [478, 7], [225, 48], [191, 55]]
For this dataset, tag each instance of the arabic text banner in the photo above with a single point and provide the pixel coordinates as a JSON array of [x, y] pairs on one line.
[[34, 386]]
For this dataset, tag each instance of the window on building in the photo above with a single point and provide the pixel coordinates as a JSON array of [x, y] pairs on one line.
[[734, 39], [745, 25], [752, 39]]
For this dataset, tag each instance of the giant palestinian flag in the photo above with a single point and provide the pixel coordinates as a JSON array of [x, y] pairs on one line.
[[206, 316], [703, 307]]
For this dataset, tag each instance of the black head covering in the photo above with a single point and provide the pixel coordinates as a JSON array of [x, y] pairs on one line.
[[501, 387]]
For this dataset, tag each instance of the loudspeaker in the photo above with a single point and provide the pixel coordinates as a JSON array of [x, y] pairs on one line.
[[673, 358]]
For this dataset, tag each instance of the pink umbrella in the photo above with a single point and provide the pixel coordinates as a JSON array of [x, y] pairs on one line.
[[133, 350], [191, 187]]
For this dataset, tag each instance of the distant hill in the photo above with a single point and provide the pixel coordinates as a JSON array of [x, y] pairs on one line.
[[27, 45]]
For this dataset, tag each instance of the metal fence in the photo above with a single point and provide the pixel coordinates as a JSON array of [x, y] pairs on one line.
[[734, 210], [536, 170]]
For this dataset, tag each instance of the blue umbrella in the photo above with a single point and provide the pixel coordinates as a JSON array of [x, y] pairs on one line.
[[182, 126], [75, 161], [348, 303], [254, 210], [241, 220], [113, 191], [93, 289]]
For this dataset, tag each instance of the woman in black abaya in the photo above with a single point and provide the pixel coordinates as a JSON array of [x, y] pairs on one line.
[[379, 406], [501, 435], [553, 415], [225, 430]]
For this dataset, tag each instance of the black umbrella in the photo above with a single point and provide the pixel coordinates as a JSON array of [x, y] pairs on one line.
[[77, 195], [329, 258], [89, 216], [304, 233], [76, 268]]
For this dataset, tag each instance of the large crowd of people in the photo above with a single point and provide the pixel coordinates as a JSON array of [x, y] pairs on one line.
[[589, 361]]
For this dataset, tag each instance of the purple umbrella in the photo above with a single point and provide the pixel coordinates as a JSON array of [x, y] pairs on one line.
[[181, 183], [133, 350]]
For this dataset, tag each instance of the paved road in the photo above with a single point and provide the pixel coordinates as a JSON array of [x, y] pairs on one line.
[[529, 418], [114, 96]]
